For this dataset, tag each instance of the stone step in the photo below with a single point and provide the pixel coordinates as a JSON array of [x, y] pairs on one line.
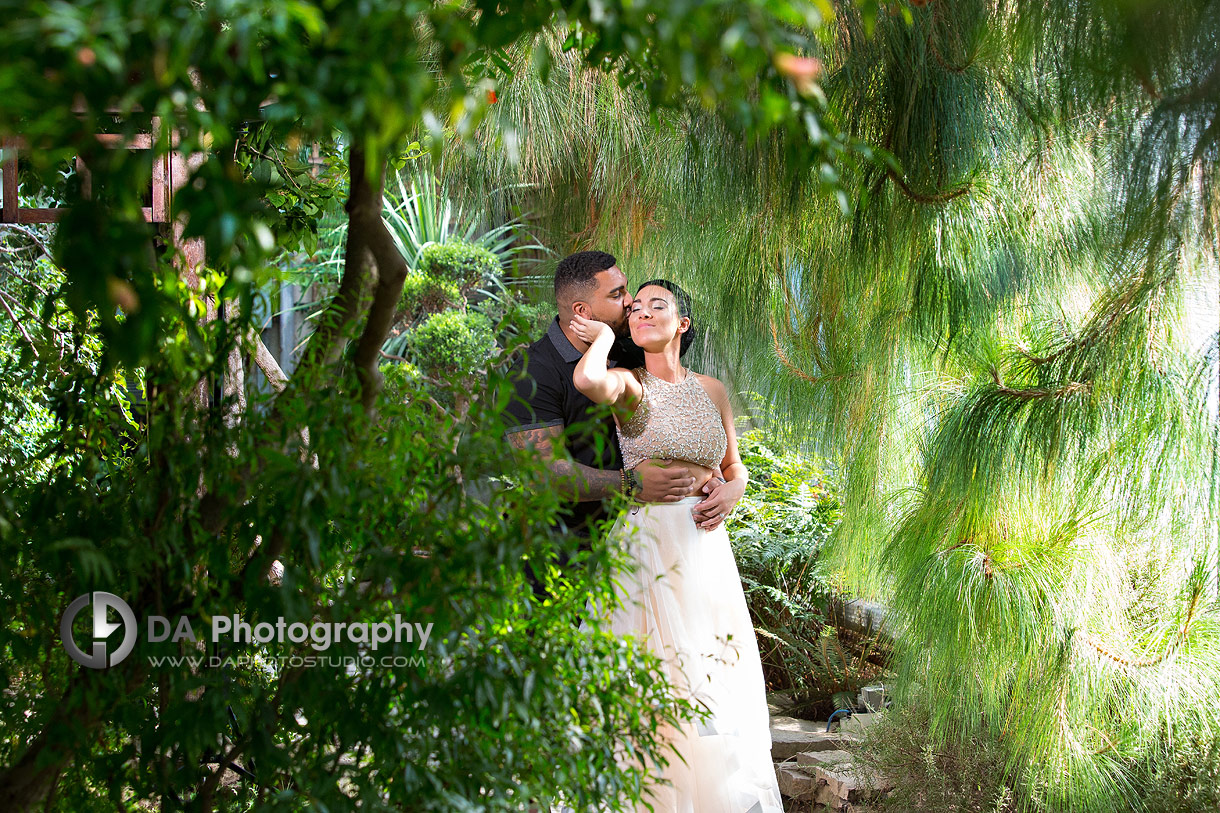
[[846, 782], [813, 765], [777, 702], [822, 759], [790, 736], [795, 783]]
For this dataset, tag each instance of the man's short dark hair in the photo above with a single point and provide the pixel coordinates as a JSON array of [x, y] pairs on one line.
[[575, 273]]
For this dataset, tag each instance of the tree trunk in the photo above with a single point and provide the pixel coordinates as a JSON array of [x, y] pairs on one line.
[[25, 786]]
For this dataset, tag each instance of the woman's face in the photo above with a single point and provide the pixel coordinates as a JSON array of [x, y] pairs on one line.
[[654, 319]]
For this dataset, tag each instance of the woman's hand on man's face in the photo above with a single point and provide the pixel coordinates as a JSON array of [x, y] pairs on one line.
[[588, 330]]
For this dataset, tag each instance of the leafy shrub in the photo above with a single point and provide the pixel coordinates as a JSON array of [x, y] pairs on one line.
[[452, 344], [422, 294], [458, 262], [967, 776], [400, 380], [1187, 779], [536, 318], [778, 530]]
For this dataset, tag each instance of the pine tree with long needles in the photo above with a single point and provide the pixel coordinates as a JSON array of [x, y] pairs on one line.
[[1001, 316]]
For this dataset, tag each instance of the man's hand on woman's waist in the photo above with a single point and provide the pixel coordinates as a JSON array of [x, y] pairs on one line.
[[663, 481]]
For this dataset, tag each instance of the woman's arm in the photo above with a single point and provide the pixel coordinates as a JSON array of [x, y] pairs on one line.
[[599, 384], [722, 497]]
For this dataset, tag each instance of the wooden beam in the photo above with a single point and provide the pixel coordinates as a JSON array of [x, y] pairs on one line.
[[39, 215], [158, 212], [28, 216], [9, 172]]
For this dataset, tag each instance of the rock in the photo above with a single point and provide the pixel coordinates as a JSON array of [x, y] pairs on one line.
[[856, 723], [849, 784], [795, 783], [873, 698], [790, 736], [777, 702], [858, 615], [822, 759], [829, 801], [829, 741]]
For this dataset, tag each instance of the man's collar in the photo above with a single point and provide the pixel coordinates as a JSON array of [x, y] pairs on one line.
[[567, 351]]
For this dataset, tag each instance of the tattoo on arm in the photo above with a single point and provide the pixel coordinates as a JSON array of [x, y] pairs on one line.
[[575, 480], [540, 438]]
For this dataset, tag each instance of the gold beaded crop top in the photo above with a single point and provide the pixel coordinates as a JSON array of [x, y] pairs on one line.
[[673, 421]]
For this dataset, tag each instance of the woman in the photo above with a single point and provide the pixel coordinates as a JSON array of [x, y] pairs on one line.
[[685, 597]]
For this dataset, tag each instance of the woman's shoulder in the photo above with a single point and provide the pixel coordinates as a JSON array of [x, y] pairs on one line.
[[715, 389]]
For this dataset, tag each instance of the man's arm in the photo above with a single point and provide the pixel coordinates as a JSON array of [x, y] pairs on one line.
[[574, 480]]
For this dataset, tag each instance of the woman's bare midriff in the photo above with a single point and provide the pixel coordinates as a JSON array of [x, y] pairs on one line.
[[701, 474]]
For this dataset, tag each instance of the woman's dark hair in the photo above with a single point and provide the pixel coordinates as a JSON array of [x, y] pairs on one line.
[[682, 300]]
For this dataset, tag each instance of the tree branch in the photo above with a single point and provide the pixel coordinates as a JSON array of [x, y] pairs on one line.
[[17, 324], [799, 373], [34, 238], [326, 344], [1071, 388], [267, 363], [921, 197], [1130, 662], [392, 271]]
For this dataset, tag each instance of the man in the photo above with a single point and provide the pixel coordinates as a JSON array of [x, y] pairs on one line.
[[590, 284]]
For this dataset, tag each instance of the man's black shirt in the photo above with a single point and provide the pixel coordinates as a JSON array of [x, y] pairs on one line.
[[546, 397]]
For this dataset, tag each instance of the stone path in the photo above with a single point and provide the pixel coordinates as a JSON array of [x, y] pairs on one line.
[[813, 765]]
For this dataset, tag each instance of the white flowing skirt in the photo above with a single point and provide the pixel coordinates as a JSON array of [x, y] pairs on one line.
[[685, 599]]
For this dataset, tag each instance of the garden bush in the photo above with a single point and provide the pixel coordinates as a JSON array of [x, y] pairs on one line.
[[458, 262], [424, 294], [452, 344], [778, 529]]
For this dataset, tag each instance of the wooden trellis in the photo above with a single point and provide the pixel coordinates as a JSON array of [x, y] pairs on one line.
[[169, 172], [162, 179]]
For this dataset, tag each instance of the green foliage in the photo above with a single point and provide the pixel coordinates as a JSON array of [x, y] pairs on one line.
[[49, 369], [1008, 347], [536, 317], [422, 215], [423, 294], [1188, 778], [978, 773], [778, 532], [459, 263], [789, 498], [958, 776], [1003, 342], [367, 521], [453, 344], [366, 515]]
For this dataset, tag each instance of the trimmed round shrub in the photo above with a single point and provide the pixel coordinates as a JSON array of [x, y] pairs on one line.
[[459, 262], [452, 343], [422, 293]]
